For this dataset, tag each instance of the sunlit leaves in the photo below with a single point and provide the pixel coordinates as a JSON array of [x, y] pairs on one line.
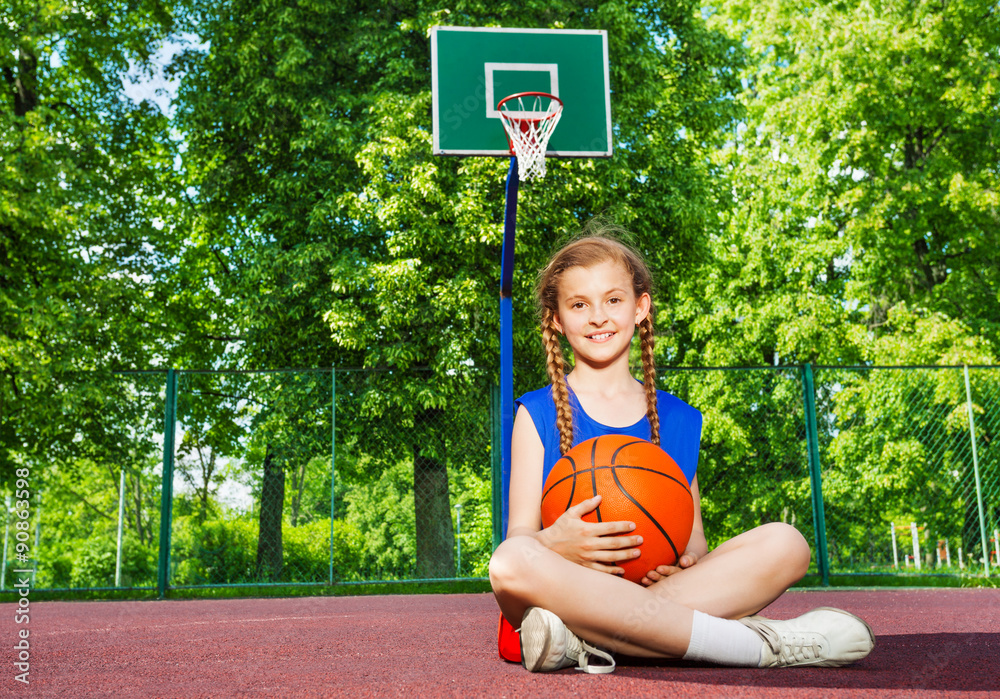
[[865, 173], [86, 215]]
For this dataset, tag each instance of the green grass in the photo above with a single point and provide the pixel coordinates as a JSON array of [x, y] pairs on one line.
[[898, 580], [241, 591], [476, 585]]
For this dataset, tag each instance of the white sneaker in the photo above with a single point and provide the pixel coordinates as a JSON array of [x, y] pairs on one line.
[[546, 645], [824, 637]]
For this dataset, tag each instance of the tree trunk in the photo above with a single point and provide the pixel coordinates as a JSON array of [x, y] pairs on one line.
[[298, 485], [26, 83], [144, 536], [432, 509], [207, 471], [270, 556]]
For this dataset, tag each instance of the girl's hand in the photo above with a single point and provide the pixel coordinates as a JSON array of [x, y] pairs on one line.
[[687, 559], [697, 547], [592, 545]]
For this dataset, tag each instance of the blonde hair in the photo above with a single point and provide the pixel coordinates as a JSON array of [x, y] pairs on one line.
[[587, 251]]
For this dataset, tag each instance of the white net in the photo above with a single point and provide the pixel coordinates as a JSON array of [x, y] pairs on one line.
[[529, 120]]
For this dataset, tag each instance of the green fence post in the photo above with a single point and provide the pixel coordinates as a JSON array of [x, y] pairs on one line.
[[167, 487], [333, 452], [815, 478], [975, 470], [496, 462]]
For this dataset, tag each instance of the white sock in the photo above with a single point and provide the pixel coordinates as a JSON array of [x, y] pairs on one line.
[[724, 642]]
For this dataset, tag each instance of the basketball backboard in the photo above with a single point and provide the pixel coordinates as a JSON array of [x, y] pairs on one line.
[[473, 68]]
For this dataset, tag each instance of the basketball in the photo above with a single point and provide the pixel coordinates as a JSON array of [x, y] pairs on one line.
[[638, 482]]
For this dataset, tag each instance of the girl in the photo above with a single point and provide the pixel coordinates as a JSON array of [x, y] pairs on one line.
[[560, 585]]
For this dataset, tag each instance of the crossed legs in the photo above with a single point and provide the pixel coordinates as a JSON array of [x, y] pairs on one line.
[[737, 579]]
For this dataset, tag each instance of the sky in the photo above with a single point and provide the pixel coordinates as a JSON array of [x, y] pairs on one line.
[[157, 88]]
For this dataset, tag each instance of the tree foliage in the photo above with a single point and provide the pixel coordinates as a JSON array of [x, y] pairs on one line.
[[810, 183], [865, 186], [85, 225], [335, 236]]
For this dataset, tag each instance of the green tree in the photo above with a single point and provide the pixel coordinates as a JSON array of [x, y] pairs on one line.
[[865, 178], [860, 227], [438, 222], [86, 176], [109, 427], [334, 236], [270, 137]]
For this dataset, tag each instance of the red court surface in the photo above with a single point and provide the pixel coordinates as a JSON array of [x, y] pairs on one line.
[[928, 643]]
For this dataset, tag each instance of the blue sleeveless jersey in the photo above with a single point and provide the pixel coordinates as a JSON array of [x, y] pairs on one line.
[[680, 427]]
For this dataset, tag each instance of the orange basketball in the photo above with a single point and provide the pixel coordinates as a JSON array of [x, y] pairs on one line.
[[638, 482]]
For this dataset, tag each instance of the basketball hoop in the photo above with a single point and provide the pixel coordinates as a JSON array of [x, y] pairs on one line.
[[529, 118]]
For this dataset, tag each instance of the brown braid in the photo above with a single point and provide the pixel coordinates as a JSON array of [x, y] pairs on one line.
[[555, 364], [646, 342]]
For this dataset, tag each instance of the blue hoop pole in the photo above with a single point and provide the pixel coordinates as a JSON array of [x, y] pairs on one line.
[[507, 333]]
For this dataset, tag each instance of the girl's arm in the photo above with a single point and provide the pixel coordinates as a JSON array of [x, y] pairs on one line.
[[525, 499], [697, 546], [582, 542]]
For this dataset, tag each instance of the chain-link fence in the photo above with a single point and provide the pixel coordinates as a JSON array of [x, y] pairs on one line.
[[274, 478], [89, 502], [910, 476], [326, 477], [882, 469], [413, 471], [252, 479]]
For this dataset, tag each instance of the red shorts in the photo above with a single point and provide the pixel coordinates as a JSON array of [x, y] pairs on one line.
[[509, 641]]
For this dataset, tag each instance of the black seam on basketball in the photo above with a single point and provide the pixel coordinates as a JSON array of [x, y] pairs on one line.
[[642, 509], [627, 444], [632, 467], [572, 463], [572, 490], [570, 477], [593, 475], [628, 467]]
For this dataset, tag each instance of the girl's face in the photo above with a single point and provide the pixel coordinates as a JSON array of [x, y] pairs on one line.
[[598, 312]]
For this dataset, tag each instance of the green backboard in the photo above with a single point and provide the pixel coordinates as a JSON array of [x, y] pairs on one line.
[[473, 68]]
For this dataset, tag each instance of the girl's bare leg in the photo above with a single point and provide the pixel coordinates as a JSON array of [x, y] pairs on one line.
[[739, 578], [603, 609], [743, 575]]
